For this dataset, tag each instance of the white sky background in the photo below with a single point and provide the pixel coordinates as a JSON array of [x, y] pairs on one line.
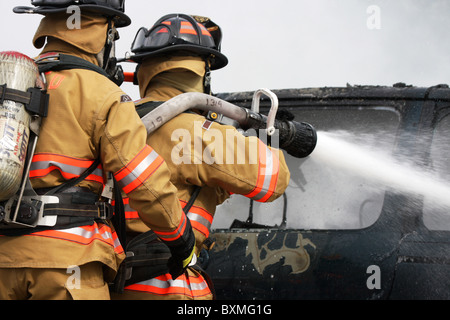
[[295, 43]]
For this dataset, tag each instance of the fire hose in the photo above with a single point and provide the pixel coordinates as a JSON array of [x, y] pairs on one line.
[[298, 139]]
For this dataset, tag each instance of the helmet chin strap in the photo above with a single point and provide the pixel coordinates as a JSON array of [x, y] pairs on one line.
[[207, 82], [108, 49], [107, 57]]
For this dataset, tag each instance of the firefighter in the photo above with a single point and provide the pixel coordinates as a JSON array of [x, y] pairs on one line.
[[89, 118], [174, 57]]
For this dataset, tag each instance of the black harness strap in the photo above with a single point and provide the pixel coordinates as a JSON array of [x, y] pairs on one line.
[[59, 62], [191, 201], [79, 204], [74, 181], [118, 220], [34, 99], [77, 208]]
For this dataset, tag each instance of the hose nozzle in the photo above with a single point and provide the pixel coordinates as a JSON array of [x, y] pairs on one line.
[[299, 139]]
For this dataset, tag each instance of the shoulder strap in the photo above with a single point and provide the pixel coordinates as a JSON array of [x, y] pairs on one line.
[[59, 61], [194, 196], [147, 107], [119, 220]]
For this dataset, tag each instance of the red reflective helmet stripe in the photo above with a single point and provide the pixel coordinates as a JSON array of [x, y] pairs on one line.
[[205, 31], [188, 28], [165, 30]]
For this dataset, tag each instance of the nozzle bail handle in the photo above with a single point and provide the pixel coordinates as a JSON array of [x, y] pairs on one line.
[[273, 109]]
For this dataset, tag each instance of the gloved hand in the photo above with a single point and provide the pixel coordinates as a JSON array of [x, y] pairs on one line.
[[177, 264], [182, 252]]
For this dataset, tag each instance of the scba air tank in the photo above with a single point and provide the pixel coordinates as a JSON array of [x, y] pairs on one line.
[[18, 72]]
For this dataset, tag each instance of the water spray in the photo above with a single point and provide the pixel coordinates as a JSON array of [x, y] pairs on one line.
[[401, 176]]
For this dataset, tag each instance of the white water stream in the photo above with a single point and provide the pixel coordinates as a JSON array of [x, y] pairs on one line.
[[342, 185], [380, 168]]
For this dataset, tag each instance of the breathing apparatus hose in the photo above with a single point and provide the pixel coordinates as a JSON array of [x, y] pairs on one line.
[[298, 139]]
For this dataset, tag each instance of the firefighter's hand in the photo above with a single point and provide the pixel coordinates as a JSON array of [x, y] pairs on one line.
[[182, 252], [178, 263]]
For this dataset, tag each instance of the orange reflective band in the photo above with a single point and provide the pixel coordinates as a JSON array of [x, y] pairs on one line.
[[261, 171], [176, 234], [130, 213], [76, 162], [201, 219], [85, 235], [138, 170], [268, 171], [69, 167], [192, 286], [273, 178], [200, 228]]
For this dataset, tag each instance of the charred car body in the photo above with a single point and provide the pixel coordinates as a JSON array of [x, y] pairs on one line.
[[336, 236]]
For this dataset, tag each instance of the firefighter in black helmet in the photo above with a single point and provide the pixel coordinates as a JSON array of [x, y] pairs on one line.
[[181, 35], [92, 127], [174, 57]]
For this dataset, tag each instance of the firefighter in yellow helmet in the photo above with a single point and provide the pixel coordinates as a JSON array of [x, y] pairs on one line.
[[175, 57], [89, 118]]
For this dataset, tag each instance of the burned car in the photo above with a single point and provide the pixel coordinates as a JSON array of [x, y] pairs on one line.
[[347, 227]]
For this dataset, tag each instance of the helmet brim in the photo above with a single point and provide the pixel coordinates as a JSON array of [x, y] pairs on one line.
[[218, 60], [120, 18]]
